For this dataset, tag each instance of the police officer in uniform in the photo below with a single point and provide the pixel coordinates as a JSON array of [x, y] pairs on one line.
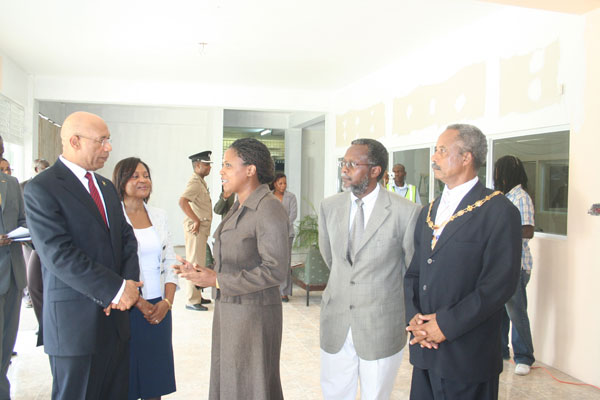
[[196, 204]]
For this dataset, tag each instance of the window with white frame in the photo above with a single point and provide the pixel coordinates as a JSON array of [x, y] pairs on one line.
[[545, 157]]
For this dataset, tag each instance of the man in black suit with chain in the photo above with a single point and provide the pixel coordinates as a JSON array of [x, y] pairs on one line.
[[90, 265], [465, 267]]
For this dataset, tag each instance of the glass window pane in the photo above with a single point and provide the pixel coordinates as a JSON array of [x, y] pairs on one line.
[[417, 165], [546, 161]]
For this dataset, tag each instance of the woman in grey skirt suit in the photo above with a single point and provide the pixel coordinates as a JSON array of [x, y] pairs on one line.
[[288, 200], [251, 261]]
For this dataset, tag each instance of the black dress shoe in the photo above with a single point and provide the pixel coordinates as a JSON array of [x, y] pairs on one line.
[[205, 301], [196, 307]]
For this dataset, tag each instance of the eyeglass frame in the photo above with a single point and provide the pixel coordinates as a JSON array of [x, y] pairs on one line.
[[351, 164], [103, 142]]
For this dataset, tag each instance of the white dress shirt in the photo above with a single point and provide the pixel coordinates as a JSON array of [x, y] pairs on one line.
[[450, 200], [368, 206]]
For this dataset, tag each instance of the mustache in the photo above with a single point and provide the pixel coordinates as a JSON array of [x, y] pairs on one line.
[[435, 166]]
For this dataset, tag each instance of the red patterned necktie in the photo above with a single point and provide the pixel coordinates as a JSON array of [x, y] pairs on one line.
[[96, 196]]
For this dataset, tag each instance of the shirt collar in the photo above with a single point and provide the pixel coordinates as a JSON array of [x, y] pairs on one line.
[[457, 193], [76, 169], [514, 190], [368, 199], [256, 196]]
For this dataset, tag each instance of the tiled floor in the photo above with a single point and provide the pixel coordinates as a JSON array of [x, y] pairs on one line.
[[30, 373]]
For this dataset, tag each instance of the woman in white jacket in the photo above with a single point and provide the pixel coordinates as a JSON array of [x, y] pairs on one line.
[[151, 371]]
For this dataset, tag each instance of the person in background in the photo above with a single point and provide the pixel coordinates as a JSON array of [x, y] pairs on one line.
[[196, 205], [224, 203], [251, 262], [35, 285], [400, 186], [510, 178], [151, 367], [5, 167], [89, 263], [465, 267], [290, 204], [12, 273]]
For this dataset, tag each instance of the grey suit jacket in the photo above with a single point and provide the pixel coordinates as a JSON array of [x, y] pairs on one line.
[[368, 295], [13, 216]]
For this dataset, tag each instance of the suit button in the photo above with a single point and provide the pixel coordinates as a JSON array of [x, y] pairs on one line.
[[352, 283], [424, 287], [351, 307], [429, 261]]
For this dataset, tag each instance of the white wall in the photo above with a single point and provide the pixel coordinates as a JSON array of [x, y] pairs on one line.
[[173, 93], [313, 156], [163, 137], [14, 81], [293, 163], [18, 85]]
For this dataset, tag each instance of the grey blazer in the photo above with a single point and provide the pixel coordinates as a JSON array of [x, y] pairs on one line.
[[13, 216], [291, 207], [367, 296]]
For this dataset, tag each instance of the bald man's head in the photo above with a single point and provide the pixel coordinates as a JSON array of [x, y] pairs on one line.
[[85, 140]]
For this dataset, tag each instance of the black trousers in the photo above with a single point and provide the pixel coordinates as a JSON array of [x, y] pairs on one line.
[[100, 376], [427, 385]]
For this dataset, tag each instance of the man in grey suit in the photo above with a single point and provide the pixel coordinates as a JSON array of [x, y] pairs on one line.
[[366, 239], [12, 272]]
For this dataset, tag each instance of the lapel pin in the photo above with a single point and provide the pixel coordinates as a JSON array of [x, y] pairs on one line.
[[103, 183]]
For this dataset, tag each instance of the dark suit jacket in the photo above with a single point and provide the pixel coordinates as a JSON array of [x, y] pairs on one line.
[[83, 262], [466, 280], [13, 216]]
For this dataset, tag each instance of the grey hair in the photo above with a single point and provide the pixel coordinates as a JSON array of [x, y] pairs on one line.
[[40, 163], [473, 141], [376, 153]]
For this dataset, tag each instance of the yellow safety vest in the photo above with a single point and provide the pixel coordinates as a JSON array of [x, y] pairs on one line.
[[411, 192]]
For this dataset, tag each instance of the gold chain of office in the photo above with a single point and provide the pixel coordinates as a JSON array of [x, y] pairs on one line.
[[460, 213]]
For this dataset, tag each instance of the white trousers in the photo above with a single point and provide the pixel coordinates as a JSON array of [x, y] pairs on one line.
[[341, 372]]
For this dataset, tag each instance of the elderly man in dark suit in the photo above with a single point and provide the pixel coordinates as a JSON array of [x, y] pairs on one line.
[[12, 273], [89, 258], [465, 267]]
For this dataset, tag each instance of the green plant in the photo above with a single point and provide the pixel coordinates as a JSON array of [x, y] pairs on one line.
[[307, 233]]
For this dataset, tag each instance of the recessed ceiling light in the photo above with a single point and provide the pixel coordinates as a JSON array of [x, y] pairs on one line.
[[265, 132]]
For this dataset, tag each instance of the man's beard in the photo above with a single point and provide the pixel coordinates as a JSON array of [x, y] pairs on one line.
[[358, 189]]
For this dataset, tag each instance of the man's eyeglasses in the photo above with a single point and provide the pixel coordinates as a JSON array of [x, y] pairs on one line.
[[103, 142], [351, 164]]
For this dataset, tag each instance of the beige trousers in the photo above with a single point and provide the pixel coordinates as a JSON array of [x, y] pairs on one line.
[[195, 252]]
